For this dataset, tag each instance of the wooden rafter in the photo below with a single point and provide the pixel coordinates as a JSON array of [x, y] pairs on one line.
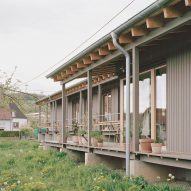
[[87, 61], [125, 39], [103, 51], [154, 22], [138, 31], [171, 12], [80, 65], [111, 46], [69, 71], [63, 74], [94, 56], [188, 2], [74, 68]]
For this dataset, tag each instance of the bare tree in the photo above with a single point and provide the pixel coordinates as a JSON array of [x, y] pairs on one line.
[[10, 91]]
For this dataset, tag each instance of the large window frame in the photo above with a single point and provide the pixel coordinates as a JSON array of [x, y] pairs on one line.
[[153, 103]]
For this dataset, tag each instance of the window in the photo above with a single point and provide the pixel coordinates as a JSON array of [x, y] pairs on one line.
[[13, 114], [161, 104], [145, 105], [107, 104], [75, 110], [16, 125]]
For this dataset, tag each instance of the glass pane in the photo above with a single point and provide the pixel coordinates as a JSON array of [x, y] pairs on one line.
[[161, 104], [107, 110], [145, 105]]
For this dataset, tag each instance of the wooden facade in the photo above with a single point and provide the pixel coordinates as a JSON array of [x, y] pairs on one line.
[[160, 47]]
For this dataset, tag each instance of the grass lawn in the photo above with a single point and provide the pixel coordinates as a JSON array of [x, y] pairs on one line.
[[24, 167]]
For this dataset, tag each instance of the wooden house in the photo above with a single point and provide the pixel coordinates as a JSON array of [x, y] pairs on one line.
[[158, 42]]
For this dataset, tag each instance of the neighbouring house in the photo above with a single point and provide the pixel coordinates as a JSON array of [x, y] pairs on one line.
[[158, 42], [12, 118]]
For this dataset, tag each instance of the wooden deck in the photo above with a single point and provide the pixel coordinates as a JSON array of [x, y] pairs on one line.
[[181, 160]]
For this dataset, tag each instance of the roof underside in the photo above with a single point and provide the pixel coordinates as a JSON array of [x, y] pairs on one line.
[[105, 60]]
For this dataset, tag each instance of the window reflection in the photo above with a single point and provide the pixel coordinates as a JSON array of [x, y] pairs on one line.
[[145, 105], [161, 104]]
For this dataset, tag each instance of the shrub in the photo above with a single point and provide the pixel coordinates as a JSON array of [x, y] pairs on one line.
[[9, 133], [26, 132]]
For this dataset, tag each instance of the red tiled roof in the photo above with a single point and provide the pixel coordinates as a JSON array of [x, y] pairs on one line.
[[5, 114]]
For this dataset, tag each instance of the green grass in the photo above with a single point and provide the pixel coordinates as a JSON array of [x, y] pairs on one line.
[[24, 167]]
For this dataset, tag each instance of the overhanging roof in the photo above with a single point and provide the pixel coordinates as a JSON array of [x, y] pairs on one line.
[[152, 18]]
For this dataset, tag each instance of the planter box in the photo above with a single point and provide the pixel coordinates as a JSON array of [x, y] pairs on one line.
[[156, 148]]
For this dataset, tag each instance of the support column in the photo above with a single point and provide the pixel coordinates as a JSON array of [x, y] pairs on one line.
[[135, 130], [47, 114], [80, 108], [121, 110], [63, 113], [40, 119], [153, 104], [89, 75], [99, 103]]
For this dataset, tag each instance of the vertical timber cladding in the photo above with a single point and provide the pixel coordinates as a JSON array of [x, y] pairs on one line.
[[179, 102]]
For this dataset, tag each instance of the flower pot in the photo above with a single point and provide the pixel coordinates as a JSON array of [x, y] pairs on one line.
[[84, 141], [100, 144], [94, 142], [156, 148], [75, 139], [145, 145]]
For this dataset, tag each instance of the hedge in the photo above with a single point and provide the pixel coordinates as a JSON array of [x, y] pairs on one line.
[[9, 133]]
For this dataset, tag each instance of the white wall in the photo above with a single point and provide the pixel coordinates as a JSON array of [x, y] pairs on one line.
[[22, 122], [5, 124]]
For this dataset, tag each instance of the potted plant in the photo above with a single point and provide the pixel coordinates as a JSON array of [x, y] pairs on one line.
[[75, 132], [82, 138], [156, 146], [94, 137], [100, 140], [145, 145]]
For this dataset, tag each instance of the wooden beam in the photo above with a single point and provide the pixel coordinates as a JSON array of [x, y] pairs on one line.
[[138, 31], [74, 68], [121, 109], [111, 46], [95, 81], [153, 104], [80, 65], [63, 73], [188, 2], [90, 104], [80, 108], [83, 85], [87, 60], [103, 51], [94, 56], [99, 102], [171, 12], [69, 71], [58, 78], [136, 117], [63, 113], [103, 77], [154, 22], [125, 39]]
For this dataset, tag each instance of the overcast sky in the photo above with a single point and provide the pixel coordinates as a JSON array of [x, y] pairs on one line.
[[36, 34]]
